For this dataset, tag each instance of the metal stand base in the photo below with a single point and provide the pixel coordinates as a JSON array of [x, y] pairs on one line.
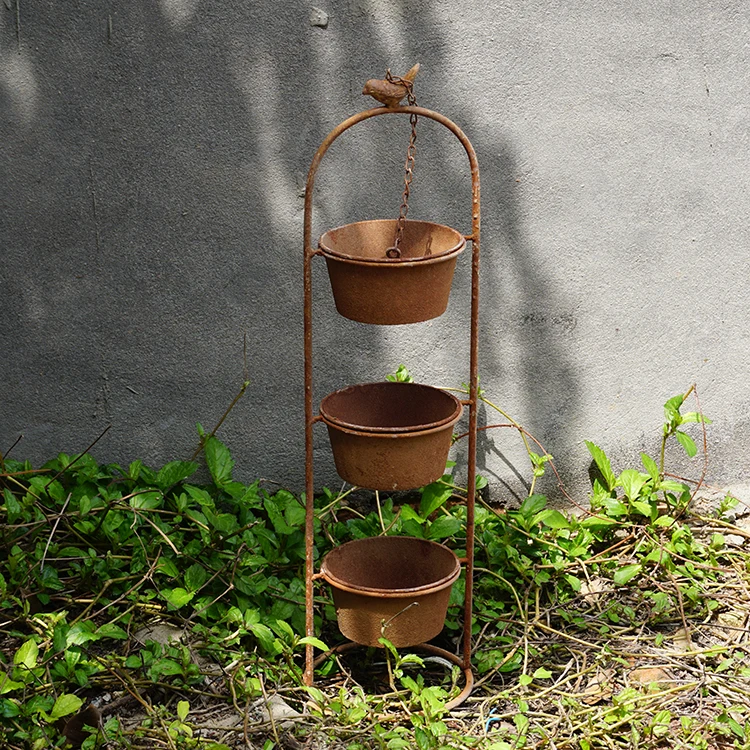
[[430, 649]]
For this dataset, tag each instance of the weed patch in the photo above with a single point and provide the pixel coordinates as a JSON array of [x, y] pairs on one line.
[[143, 610]]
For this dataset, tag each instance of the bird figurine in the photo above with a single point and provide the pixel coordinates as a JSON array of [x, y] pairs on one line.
[[391, 90]]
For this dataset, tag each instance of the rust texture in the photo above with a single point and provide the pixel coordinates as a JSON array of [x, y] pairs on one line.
[[362, 274], [310, 418], [390, 436], [390, 407], [398, 587]]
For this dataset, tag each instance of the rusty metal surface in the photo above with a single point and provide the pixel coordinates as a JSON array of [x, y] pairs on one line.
[[391, 295], [396, 586], [390, 436], [370, 287], [390, 407], [368, 241], [309, 253], [390, 461]]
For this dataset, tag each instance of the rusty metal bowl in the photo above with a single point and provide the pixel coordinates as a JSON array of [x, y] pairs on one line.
[[395, 586], [390, 436], [370, 287]]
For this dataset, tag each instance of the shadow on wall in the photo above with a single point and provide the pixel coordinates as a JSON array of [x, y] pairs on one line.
[[521, 349], [153, 216]]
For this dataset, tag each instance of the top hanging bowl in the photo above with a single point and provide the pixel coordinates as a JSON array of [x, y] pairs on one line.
[[371, 287]]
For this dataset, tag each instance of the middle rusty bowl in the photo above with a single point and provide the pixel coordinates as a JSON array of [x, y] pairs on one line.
[[390, 436]]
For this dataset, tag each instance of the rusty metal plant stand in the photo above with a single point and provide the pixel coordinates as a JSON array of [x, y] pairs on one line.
[[471, 402]]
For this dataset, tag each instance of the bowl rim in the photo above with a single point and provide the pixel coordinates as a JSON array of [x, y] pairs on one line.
[[424, 259], [384, 593], [358, 429]]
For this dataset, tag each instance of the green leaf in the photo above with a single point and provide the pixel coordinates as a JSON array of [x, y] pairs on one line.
[[522, 723], [650, 465], [174, 472], [84, 505], [219, 461], [686, 442], [387, 644], [168, 567], [27, 655], [597, 522], [282, 628], [410, 684], [672, 409], [146, 500], [434, 496], [110, 630], [644, 508], [443, 527], [64, 705], [177, 597], [12, 506], [603, 464], [402, 375], [423, 739], [82, 632], [632, 482], [56, 491], [195, 577], [183, 709], [294, 514], [552, 519], [226, 523], [626, 573], [9, 708], [665, 521], [614, 507], [166, 667], [694, 416], [265, 636], [276, 517], [532, 505], [409, 514], [669, 485], [7, 685], [312, 641], [542, 674], [134, 470], [525, 679]]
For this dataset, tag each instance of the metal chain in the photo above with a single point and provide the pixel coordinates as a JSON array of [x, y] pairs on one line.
[[395, 251]]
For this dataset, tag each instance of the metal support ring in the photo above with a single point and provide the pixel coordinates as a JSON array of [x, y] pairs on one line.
[[430, 649]]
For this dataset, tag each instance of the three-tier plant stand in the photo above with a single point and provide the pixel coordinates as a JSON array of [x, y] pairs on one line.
[[384, 437]]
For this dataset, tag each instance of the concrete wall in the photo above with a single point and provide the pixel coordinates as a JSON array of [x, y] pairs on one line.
[[152, 164]]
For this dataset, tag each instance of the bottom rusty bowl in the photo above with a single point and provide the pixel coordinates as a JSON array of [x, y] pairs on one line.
[[393, 586]]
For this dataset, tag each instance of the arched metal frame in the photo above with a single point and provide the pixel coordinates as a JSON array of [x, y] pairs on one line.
[[471, 402]]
